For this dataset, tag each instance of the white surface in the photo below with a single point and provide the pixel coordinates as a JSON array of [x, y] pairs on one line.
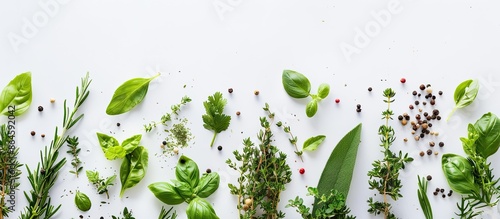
[[246, 48]]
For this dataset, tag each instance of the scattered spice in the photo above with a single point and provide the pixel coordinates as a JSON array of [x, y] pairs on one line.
[[440, 92], [302, 170], [441, 144], [238, 113], [52, 100], [219, 148], [256, 92], [33, 133], [209, 170], [429, 177], [230, 90], [403, 80], [118, 124], [40, 108], [422, 87], [370, 89], [422, 153], [43, 135], [429, 152]]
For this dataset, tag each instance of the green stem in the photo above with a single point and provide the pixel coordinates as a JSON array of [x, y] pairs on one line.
[[213, 139], [453, 111]]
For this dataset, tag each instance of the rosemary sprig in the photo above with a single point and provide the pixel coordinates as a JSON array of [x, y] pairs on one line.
[[384, 177], [263, 176], [164, 214], [9, 169], [466, 208], [43, 177], [74, 150], [423, 199]]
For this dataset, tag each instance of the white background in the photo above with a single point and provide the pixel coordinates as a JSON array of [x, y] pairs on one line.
[[213, 45]]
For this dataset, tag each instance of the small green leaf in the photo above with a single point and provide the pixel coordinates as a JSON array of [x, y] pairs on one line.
[[465, 94], [296, 84], [209, 183], [82, 201], [93, 176], [337, 174], [200, 208], [187, 171], [115, 152], [488, 128], [106, 141], [130, 144], [166, 193], [323, 90], [312, 143], [18, 94], [133, 168], [128, 95], [312, 108]]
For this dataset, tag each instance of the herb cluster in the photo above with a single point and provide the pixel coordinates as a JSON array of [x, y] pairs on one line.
[[9, 169], [333, 205], [263, 175], [74, 150], [298, 86], [167, 117], [101, 184], [384, 177]]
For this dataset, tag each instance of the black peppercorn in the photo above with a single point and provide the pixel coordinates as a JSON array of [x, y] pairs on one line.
[[429, 152], [164, 143], [358, 106], [370, 89], [438, 117], [33, 133], [440, 92], [444, 196], [422, 135], [422, 153], [425, 103], [118, 124], [442, 190], [358, 110], [435, 193], [219, 148], [441, 144], [407, 117], [429, 177], [182, 161], [40, 108], [411, 107], [435, 112], [417, 102], [414, 93], [400, 117], [422, 87], [230, 90], [438, 189], [209, 170], [426, 114]]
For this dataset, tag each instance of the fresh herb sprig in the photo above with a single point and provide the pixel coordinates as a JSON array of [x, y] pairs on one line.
[[43, 177], [332, 205], [101, 184], [422, 197], [297, 85], [167, 214], [74, 150], [465, 94], [292, 139], [384, 177], [9, 169], [126, 214], [215, 119], [263, 175], [167, 117]]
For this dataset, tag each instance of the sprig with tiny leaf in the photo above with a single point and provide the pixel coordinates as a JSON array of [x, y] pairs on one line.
[[167, 117], [101, 184], [74, 150]]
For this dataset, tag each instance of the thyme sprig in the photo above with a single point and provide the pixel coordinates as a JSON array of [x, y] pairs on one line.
[[167, 117], [75, 160], [384, 177], [43, 177], [292, 139], [263, 175], [9, 169]]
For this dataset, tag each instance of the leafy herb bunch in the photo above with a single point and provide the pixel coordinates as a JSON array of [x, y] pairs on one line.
[[331, 206], [9, 169], [384, 177], [263, 175]]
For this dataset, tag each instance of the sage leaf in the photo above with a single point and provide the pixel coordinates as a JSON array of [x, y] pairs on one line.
[[18, 93], [128, 95], [82, 201], [187, 171], [311, 108], [488, 128], [209, 183], [296, 84], [312, 143], [323, 90], [465, 94], [130, 144], [459, 174], [337, 174], [133, 168], [166, 193], [200, 208]]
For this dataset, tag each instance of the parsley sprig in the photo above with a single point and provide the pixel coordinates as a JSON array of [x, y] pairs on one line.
[[215, 119]]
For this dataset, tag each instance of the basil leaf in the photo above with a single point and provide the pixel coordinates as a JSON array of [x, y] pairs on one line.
[[93, 176], [82, 201], [200, 208], [106, 141], [17, 93], [459, 174], [312, 143], [209, 183], [130, 144], [466, 92], [133, 168], [312, 108], [488, 128], [323, 90], [295, 84], [115, 152], [166, 193], [184, 190], [128, 95], [187, 171], [337, 174], [469, 143]]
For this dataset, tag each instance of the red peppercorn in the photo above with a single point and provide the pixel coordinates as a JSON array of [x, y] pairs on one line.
[[302, 170], [337, 100], [403, 80]]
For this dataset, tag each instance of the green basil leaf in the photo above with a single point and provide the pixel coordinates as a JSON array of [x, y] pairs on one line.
[[469, 143], [466, 92], [133, 168], [337, 174], [323, 90], [187, 171], [82, 201], [184, 190], [130, 144], [459, 174], [312, 143], [128, 95], [166, 193], [115, 152], [200, 208], [295, 84], [488, 128], [312, 108], [93, 176], [209, 183], [106, 141], [17, 93]]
